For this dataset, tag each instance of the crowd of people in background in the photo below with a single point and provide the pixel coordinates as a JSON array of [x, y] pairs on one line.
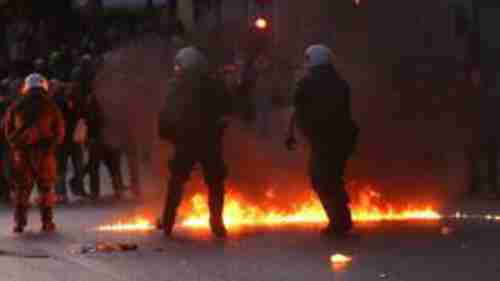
[[197, 105], [70, 66]]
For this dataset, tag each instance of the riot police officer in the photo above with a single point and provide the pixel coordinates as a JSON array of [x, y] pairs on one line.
[[193, 121], [323, 115]]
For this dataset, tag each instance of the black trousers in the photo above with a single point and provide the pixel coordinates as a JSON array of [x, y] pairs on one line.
[[187, 154], [111, 158], [75, 152], [4, 183], [326, 168]]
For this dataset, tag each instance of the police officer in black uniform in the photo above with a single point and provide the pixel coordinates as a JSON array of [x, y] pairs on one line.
[[193, 121], [323, 115]]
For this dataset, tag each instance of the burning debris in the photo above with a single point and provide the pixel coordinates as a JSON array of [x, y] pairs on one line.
[[340, 261], [136, 224], [383, 275]]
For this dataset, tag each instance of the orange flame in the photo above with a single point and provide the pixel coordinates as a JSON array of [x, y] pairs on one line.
[[309, 211], [261, 23], [339, 258], [136, 224], [339, 262], [368, 207]]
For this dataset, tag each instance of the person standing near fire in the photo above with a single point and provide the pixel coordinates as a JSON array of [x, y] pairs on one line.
[[34, 128], [193, 121], [323, 115], [101, 152]]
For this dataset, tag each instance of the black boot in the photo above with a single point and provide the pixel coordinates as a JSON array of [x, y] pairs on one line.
[[341, 224], [216, 206], [343, 221], [338, 213], [118, 186], [174, 196], [95, 185], [77, 187], [218, 229], [20, 218]]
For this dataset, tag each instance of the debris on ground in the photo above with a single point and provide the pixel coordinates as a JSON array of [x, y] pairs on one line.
[[102, 247], [383, 275]]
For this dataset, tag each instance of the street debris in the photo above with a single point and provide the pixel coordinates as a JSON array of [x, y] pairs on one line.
[[383, 275], [102, 247]]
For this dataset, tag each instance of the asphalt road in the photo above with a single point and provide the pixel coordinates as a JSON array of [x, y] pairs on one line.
[[464, 250]]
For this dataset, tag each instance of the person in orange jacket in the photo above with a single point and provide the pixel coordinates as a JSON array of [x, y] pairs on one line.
[[34, 128]]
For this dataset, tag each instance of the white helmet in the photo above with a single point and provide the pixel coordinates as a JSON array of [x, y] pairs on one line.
[[191, 59], [33, 81], [317, 55], [87, 57]]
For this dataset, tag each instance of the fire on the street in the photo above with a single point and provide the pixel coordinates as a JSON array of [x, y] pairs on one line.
[[339, 262], [136, 224], [238, 213], [306, 212], [340, 259]]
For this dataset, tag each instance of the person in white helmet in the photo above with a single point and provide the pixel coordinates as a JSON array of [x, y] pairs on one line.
[[34, 127], [323, 116], [193, 121]]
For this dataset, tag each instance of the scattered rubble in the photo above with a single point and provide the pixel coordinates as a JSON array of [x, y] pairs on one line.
[[102, 247], [383, 275]]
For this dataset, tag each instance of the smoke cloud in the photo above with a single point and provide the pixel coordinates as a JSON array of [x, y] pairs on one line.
[[412, 144]]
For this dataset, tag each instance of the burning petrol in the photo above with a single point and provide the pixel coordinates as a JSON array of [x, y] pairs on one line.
[[305, 211]]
